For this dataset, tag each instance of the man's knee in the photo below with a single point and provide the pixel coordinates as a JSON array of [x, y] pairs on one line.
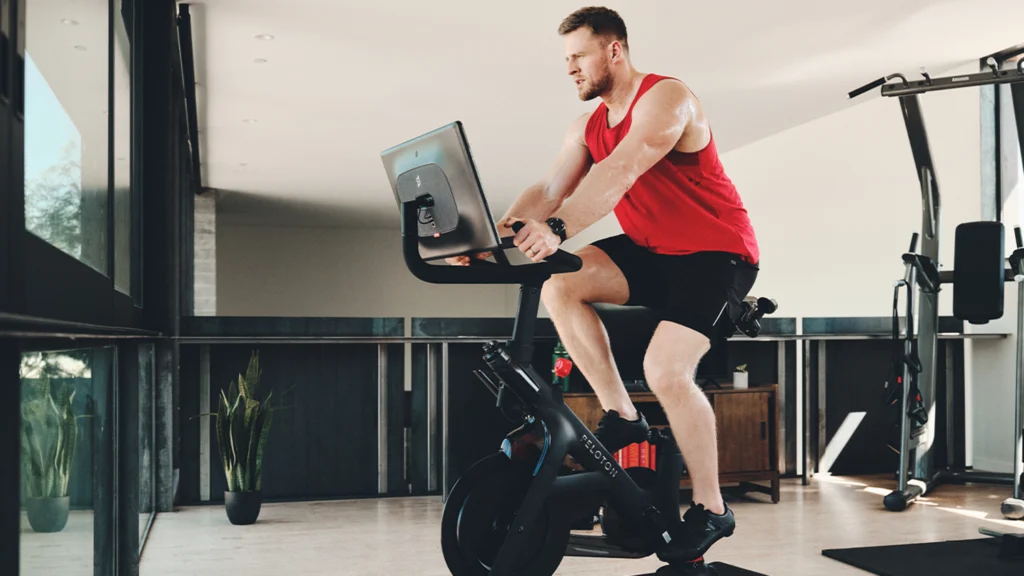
[[598, 280], [559, 290], [673, 356]]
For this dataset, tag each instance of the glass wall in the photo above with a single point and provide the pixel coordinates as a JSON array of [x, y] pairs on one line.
[[66, 126], [63, 471]]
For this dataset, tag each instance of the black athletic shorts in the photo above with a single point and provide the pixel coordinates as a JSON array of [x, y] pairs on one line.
[[702, 291]]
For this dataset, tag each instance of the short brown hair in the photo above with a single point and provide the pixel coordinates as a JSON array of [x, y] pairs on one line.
[[600, 20]]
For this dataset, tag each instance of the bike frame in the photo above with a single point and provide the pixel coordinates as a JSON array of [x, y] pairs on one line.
[[563, 432]]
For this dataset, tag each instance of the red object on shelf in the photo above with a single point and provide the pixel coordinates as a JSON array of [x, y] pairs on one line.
[[563, 366]]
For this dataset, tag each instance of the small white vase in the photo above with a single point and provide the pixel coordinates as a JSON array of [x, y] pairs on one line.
[[739, 380]]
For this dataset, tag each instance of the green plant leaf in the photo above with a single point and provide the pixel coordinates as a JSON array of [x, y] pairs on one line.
[[238, 441], [223, 442], [253, 374], [251, 417], [232, 391], [259, 450]]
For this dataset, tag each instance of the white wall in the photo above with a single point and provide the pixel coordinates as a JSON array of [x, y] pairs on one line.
[[834, 203], [330, 272]]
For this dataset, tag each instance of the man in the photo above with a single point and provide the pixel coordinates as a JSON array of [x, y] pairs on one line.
[[688, 249]]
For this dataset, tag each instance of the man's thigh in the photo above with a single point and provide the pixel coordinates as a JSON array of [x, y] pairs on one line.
[[612, 273], [640, 271], [706, 290]]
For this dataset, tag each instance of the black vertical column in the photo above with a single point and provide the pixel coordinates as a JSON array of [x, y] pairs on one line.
[[6, 185], [396, 419], [127, 434], [156, 133], [10, 433], [104, 498], [12, 154]]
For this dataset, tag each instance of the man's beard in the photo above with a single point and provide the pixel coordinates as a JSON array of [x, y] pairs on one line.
[[600, 85]]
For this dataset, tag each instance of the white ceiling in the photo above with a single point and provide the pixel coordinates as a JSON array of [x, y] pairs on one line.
[[344, 80]]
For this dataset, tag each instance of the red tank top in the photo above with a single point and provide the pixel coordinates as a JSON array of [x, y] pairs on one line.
[[685, 203]]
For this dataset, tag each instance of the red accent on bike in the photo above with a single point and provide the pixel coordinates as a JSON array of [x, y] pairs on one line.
[[563, 366]]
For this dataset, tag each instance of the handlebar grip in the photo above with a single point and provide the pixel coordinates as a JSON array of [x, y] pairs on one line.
[[867, 88], [913, 243], [1016, 232], [560, 259], [565, 260]]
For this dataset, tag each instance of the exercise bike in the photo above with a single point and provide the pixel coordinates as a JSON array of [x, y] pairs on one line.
[[512, 513]]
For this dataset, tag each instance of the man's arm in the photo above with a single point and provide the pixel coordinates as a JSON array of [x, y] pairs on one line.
[[541, 200], [659, 119]]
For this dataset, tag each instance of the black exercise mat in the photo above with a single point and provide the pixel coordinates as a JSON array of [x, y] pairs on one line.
[[730, 570], [949, 558], [722, 569]]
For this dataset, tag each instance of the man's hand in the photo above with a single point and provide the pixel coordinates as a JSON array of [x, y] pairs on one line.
[[535, 239]]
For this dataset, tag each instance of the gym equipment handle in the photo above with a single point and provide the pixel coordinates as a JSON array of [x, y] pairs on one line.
[[1016, 233], [563, 260], [867, 88], [482, 271]]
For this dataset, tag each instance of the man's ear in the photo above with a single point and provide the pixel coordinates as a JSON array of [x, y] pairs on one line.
[[617, 50]]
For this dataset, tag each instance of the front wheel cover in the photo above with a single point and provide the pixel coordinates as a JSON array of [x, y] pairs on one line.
[[496, 473]]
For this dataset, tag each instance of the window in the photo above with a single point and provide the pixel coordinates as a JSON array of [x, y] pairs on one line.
[[66, 127], [62, 410]]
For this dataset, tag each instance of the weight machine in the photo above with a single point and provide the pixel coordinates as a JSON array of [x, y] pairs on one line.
[[974, 289]]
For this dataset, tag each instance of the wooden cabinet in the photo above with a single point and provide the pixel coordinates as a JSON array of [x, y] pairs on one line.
[[747, 429], [742, 432]]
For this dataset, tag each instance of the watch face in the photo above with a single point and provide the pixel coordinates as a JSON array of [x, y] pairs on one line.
[[557, 226]]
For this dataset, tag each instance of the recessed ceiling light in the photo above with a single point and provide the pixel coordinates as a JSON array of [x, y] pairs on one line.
[[259, 61], [81, 48], [69, 22], [249, 120], [264, 37]]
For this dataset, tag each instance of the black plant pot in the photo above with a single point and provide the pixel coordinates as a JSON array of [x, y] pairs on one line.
[[48, 514], [243, 507]]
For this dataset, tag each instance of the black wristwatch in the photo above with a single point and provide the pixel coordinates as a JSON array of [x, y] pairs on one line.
[[557, 226]]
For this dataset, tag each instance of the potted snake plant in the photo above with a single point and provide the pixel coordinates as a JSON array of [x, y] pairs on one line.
[[243, 424], [49, 438]]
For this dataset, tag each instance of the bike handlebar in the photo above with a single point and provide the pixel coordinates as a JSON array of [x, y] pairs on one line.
[[480, 272], [561, 259]]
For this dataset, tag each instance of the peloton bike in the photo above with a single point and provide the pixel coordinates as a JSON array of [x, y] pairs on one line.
[[512, 513]]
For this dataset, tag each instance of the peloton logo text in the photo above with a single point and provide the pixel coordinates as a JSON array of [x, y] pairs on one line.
[[602, 460]]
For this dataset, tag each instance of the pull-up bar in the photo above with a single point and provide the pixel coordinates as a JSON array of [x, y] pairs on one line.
[[929, 84]]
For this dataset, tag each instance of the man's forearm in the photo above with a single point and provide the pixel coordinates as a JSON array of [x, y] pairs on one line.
[[534, 203], [595, 198]]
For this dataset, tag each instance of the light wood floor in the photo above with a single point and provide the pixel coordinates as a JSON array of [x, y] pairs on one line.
[[68, 552], [400, 536]]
